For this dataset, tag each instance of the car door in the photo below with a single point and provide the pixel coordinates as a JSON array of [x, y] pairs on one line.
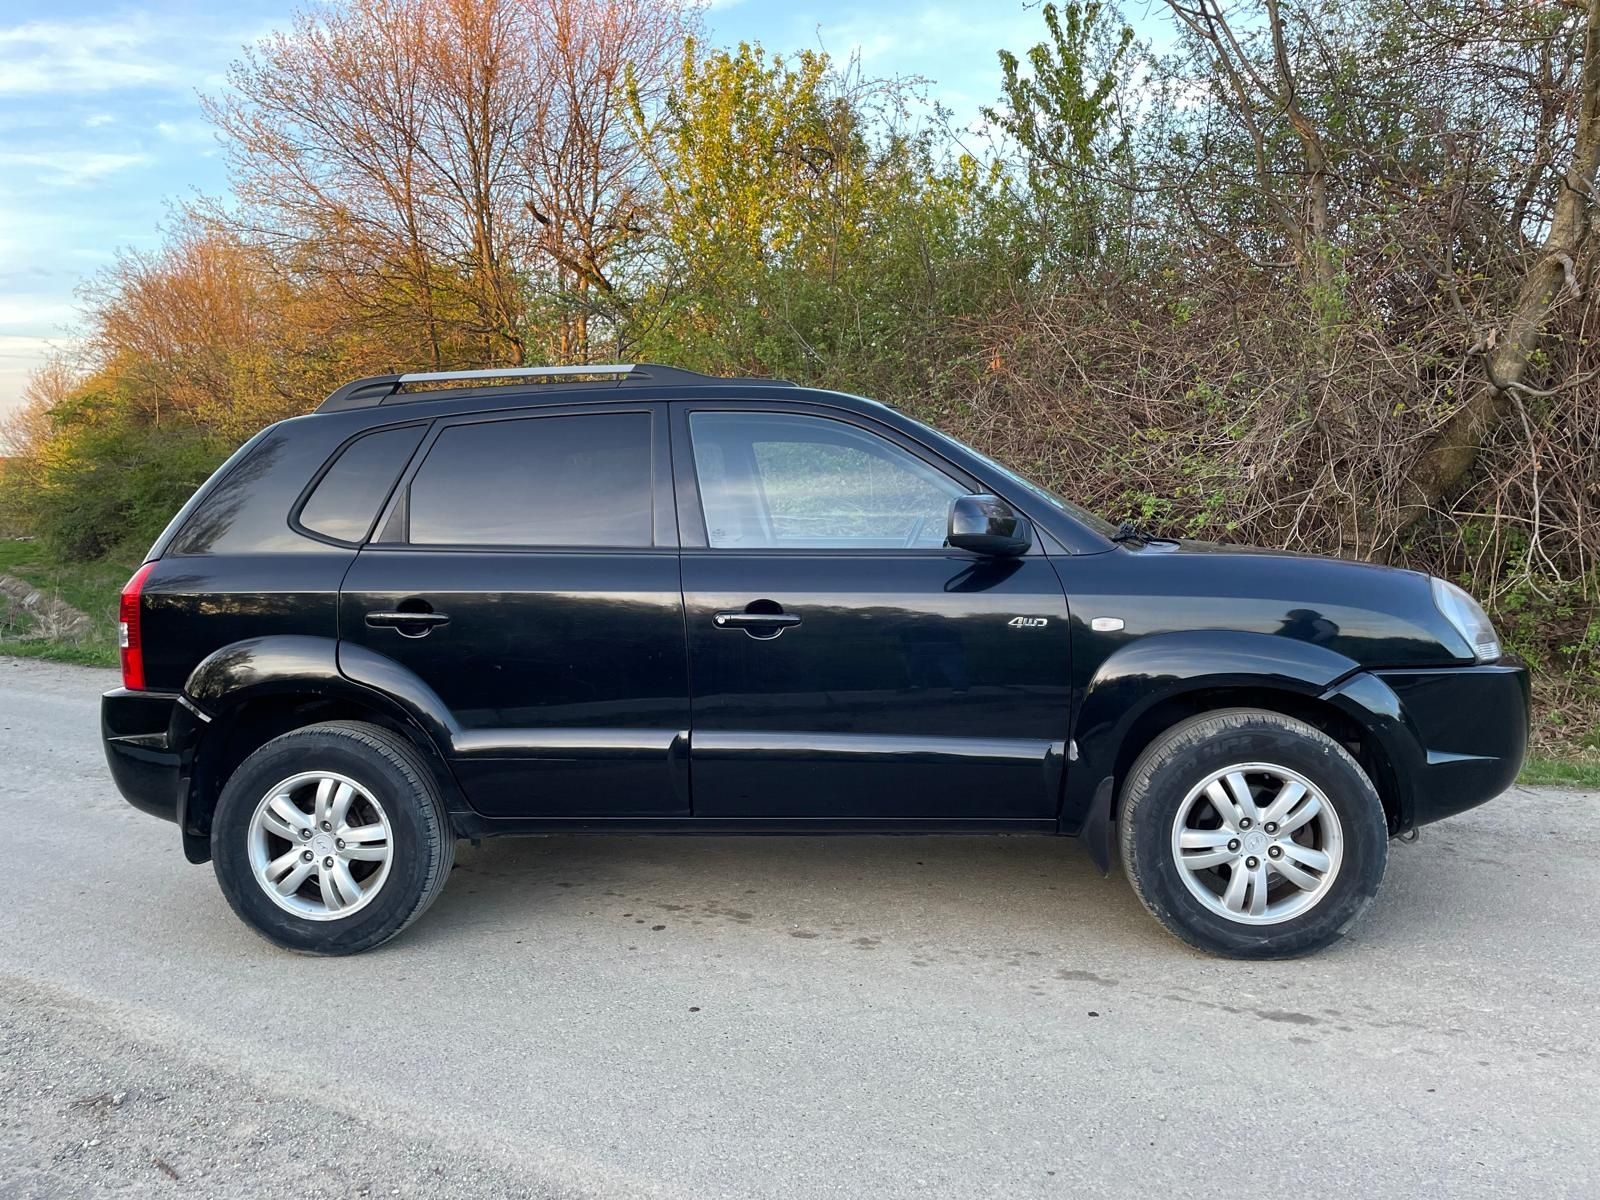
[[845, 663], [526, 571]]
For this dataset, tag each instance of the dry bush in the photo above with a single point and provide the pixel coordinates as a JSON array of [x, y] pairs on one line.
[[1233, 415]]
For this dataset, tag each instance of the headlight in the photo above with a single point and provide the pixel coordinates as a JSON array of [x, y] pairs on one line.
[[1469, 619]]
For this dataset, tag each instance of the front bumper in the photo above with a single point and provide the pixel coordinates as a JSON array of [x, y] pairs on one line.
[[1453, 737], [149, 770]]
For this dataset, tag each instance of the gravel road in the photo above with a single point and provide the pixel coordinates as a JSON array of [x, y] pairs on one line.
[[787, 1017]]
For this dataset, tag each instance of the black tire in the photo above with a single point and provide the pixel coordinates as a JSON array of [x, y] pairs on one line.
[[422, 848], [1182, 758]]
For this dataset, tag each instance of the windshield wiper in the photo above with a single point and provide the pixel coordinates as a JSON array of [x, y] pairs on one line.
[[1134, 533]]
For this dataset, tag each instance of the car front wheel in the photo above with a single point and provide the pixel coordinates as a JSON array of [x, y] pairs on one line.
[[331, 839], [1252, 834]]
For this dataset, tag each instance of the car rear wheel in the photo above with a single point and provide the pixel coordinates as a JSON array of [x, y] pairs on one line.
[[331, 839], [1252, 834]]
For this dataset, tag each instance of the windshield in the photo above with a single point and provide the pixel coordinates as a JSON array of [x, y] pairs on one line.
[[1036, 491]]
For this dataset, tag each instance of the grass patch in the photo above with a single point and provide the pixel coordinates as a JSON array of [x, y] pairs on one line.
[[92, 588], [80, 652], [1543, 771]]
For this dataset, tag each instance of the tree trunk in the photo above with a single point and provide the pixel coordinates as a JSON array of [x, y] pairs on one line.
[[1454, 450], [1311, 233]]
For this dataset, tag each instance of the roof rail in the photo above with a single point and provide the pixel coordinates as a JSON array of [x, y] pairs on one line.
[[377, 389]]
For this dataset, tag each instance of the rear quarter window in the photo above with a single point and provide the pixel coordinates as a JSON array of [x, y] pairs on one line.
[[236, 514], [247, 507], [345, 501]]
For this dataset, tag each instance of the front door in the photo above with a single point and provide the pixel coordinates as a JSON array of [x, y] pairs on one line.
[[844, 662], [527, 572]]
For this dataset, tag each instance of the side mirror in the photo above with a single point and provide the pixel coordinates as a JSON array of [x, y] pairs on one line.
[[988, 525]]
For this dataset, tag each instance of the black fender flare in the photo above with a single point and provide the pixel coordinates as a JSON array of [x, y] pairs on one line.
[[249, 670], [1372, 703], [1151, 670]]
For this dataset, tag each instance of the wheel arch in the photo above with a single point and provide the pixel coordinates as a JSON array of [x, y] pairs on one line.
[[245, 694], [1153, 683], [1319, 713]]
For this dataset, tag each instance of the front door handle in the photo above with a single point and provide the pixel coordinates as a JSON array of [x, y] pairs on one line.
[[743, 620], [407, 624], [759, 619]]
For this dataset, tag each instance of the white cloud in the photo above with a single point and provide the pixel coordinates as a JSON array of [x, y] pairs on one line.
[[99, 55], [71, 168], [78, 57], [35, 311], [190, 131]]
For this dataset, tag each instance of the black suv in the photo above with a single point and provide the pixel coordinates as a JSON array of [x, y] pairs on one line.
[[645, 600]]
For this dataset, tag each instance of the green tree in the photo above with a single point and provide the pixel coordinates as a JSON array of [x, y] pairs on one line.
[[108, 480], [1063, 113], [807, 226]]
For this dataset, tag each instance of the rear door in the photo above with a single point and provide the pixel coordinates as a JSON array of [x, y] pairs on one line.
[[526, 570], [845, 663]]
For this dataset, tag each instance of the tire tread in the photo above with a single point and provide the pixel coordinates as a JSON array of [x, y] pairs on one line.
[[441, 845]]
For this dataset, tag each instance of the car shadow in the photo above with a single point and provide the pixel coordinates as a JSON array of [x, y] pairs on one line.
[[946, 894], [953, 898]]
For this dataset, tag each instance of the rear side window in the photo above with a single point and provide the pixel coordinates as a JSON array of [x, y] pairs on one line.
[[579, 480], [345, 501]]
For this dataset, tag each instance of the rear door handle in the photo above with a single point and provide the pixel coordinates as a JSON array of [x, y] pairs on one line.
[[412, 624]]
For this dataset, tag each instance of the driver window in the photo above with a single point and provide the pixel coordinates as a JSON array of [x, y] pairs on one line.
[[778, 481]]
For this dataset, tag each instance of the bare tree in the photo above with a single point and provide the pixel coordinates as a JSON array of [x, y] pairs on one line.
[[371, 145], [484, 78], [1267, 99], [26, 428], [588, 177]]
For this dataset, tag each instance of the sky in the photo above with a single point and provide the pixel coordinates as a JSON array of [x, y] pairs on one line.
[[101, 129]]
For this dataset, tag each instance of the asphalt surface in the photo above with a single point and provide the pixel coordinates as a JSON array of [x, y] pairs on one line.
[[786, 1017]]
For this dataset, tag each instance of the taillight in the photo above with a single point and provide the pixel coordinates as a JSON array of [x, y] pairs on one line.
[[128, 635]]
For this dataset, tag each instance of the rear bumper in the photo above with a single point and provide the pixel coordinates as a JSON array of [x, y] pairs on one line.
[[148, 770], [1454, 738]]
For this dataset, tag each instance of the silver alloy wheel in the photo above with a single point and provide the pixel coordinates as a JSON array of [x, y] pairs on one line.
[[320, 845], [1257, 843]]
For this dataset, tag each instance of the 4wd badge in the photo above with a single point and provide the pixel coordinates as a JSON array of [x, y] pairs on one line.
[[1028, 622]]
